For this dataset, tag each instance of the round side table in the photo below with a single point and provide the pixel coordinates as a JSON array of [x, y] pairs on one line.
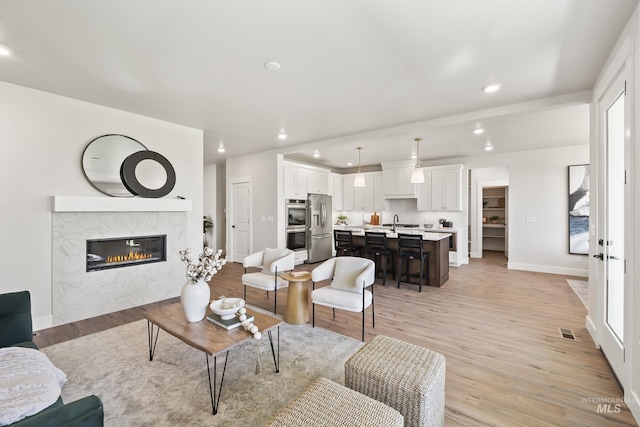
[[297, 311]]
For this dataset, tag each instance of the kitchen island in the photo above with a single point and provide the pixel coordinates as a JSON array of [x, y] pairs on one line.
[[437, 244]]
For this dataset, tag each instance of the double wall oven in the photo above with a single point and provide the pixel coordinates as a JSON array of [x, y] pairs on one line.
[[296, 210]]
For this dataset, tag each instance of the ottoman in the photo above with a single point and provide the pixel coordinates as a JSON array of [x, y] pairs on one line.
[[404, 376], [326, 403]]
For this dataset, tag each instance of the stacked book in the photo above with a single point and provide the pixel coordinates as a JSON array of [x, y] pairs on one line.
[[228, 324]]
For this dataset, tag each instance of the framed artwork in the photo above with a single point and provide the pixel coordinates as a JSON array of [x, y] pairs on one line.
[[579, 209]]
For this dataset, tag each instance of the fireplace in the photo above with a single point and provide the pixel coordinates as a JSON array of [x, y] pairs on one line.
[[119, 252]]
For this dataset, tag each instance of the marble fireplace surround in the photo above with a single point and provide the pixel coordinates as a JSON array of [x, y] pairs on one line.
[[78, 294]]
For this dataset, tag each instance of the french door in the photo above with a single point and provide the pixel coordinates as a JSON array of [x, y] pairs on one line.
[[613, 218]]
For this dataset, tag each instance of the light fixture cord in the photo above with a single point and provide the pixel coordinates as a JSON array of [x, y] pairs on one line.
[[417, 153], [359, 150]]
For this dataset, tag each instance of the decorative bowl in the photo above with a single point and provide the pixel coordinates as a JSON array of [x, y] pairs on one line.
[[227, 308]]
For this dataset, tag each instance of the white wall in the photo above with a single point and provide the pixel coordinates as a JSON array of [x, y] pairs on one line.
[[262, 168], [42, 138]]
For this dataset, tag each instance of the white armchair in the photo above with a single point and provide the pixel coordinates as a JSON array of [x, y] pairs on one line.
[[272, 263], [348, 289]]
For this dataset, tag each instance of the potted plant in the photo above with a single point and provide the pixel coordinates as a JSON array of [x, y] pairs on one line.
[[494, 219], [342, 220]]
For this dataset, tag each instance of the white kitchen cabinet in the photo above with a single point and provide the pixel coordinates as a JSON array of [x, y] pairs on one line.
[[295, 182], [336, 190], [378, 196], [317, 182], [446, 191], [300, 180], [441, 190], [423, 192], [347, 193], [397, 182], [367, 198], [362, 195]]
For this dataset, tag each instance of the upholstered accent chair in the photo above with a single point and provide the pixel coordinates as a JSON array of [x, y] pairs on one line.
[[272, 263], [351, 276]]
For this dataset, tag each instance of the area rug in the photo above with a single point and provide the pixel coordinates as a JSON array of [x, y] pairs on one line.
[[173, 389], [581, 288]]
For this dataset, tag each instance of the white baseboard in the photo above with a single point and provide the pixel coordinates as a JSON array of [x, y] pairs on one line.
[[591, 328], [579, 272], [633, 402]]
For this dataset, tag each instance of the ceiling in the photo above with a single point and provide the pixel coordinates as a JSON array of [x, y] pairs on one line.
[[369, 73]]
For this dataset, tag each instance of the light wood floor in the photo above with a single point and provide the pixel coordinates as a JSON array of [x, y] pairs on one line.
[[507, 364]]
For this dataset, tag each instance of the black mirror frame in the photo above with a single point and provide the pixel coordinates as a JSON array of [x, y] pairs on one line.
[[128, 174]]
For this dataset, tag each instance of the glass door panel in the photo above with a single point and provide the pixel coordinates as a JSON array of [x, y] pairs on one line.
[[615, 201]]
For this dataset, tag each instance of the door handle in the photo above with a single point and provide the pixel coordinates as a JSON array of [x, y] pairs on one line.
[[612, 257], [599, 256]]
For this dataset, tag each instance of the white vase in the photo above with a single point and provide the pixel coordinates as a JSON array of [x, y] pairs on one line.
[[195, 299]]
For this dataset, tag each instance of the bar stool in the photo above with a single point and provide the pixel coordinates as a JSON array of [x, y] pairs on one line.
[[343, 243], [410, 247], [375, 244]]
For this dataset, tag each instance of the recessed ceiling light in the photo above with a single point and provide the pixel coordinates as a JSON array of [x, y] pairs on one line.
[[478, 131], [349, 164], [272, 66], [413, 156], [489, 147], [493, 87], [282, 136], [316, 154], [221, 149], [4, 51]]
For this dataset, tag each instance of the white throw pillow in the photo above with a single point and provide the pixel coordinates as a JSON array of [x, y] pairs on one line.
[[344, 276], [29, 383], [271, 255]]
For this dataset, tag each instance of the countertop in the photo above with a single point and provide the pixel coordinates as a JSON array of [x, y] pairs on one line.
[[433, 234]]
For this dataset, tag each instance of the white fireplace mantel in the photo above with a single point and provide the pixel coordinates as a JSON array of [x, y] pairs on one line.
[[118, 204]]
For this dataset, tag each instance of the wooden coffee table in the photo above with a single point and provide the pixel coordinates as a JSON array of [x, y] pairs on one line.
[[207, 337]]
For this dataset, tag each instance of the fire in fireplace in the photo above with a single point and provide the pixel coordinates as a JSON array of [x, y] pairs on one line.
[[125, 251]]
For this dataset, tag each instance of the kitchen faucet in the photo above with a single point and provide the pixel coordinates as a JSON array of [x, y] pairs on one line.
[[395, 218]]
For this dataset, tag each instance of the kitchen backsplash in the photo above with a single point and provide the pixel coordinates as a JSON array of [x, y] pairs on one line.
[[407, 212]]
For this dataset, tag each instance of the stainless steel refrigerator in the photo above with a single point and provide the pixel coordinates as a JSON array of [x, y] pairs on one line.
[[319, 227]]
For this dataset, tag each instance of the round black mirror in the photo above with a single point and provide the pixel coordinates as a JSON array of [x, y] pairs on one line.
[[102, 160], [148, 174]]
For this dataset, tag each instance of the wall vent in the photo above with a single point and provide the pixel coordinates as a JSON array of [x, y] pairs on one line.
[[567, 334]]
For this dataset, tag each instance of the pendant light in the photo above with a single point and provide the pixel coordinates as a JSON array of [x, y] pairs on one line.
[[359, 179], [417, 176]]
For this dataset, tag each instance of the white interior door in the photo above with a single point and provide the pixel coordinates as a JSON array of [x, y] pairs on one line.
[[240, 220], [613, 216]]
